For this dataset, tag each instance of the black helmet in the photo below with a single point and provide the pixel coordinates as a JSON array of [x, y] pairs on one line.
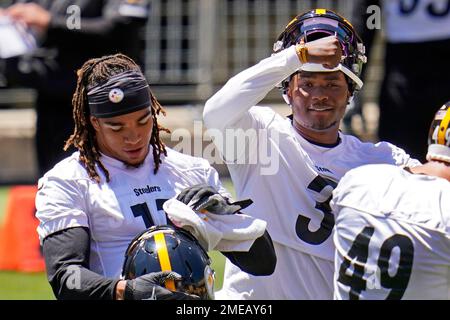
[[320, 23], [167, 248], [439, 135]]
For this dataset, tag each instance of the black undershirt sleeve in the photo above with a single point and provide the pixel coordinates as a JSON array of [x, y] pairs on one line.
[[260, 260], [67, 261]]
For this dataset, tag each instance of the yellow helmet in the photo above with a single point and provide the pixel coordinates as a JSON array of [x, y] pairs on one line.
[[439, 135]]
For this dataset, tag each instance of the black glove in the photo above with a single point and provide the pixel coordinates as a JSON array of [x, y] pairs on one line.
[[151, 287], [205, 197]]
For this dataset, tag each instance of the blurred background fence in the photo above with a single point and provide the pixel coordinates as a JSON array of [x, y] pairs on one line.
[[190, 49], [194, 46]]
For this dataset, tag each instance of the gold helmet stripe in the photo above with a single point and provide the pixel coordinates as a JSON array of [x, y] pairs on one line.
[[321, 11], [291, 22], [443, 127], [163, 257]]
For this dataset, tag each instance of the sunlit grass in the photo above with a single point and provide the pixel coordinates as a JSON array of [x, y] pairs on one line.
[[24, 286]]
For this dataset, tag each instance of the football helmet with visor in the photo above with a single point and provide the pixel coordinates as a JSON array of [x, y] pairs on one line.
[[320, 23]]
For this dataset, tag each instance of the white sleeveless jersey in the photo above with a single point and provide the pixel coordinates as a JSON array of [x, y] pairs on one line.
[[392, 235], [116, 211], [290, 188], [416, 21]]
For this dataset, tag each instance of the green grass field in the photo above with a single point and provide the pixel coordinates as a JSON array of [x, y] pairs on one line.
[[34, 286]]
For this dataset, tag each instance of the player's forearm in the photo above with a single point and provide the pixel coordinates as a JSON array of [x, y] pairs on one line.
[[67, 259], [260, 260], [87, 286], [247, 88]]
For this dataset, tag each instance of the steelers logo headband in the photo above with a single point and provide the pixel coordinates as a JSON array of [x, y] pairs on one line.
[[123, 93]]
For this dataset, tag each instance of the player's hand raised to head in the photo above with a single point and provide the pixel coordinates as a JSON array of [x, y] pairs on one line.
[[326, 51]]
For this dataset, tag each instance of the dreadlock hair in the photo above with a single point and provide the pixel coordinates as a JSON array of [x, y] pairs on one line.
[[92, 73]]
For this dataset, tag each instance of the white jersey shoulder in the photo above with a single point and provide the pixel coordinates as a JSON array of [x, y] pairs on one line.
[[183, 161], [69, 168], [378, 189], [392, 235], [376, 153]]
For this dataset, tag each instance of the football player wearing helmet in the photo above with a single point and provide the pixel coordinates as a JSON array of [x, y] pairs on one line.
[[93, 203], [392, 231], [317, 62]]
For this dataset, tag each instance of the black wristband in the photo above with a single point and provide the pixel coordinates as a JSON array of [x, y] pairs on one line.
[[128, 292]]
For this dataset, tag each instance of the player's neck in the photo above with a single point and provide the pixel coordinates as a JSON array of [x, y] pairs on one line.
[[329, 138]]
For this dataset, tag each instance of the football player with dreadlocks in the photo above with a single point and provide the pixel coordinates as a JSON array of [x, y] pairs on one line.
[[318, 59], [392, 231], [92, 204]]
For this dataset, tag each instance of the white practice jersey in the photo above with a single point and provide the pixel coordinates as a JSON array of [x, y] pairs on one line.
[[392, 235], [289, 179], [116, 211], [416, 20]]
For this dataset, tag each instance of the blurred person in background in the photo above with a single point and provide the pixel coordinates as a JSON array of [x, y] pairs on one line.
[[68, 33], [416, 69]]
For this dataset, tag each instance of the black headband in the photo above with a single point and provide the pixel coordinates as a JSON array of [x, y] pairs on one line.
[[123, 93]]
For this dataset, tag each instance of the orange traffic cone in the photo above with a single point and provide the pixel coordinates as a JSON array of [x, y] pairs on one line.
[[19, 241]]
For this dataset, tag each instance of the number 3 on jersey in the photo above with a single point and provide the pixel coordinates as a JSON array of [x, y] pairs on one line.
[[319, 185], [357, 257]]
